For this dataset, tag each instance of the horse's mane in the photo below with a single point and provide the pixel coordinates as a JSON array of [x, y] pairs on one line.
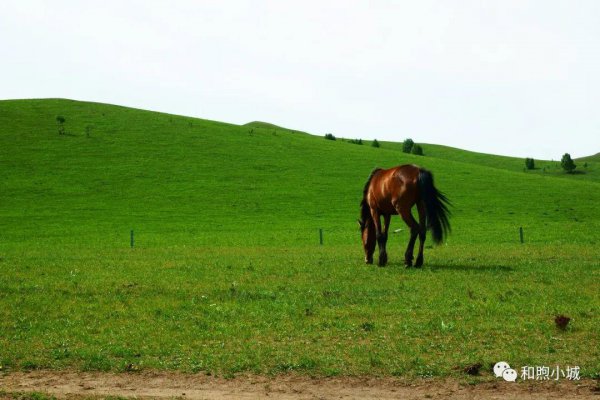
[[365, 210]]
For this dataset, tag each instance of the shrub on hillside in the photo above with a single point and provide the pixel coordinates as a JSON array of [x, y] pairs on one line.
[[356, 141], [417, 150], [375, 143], [407, 145], [567, 163], [529, 163], [61, 124], [329, 136]]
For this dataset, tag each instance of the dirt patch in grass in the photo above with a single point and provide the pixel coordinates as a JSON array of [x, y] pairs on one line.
[[67, 384]]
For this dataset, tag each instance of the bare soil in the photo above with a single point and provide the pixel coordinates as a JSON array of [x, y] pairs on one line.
[[158, 385]]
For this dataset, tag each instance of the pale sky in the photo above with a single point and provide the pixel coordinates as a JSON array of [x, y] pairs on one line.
[[518, 78]]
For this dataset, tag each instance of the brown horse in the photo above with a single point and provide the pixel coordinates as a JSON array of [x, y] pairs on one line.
[[396, 191]]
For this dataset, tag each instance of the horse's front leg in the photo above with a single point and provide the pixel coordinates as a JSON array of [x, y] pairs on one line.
[[378, 236], [382, 240]]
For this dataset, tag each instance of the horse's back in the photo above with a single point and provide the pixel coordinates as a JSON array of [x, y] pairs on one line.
[[393, 187]]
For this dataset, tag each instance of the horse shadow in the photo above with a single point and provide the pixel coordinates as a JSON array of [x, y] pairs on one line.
[[457, 267], [471, 268]]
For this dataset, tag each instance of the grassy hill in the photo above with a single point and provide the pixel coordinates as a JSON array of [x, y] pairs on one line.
[[594, 157], [588, 168], [184, 180], [227, 274]]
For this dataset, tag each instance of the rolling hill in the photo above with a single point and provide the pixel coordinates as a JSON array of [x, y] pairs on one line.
[[176, 179]]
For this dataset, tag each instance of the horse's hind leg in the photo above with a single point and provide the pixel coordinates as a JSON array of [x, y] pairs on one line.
[[414, 231], [422, 232]]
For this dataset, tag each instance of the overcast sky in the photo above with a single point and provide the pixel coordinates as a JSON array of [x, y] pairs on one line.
[[517, 78]]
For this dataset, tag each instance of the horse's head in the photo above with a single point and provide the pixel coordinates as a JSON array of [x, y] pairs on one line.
[[367, 229]]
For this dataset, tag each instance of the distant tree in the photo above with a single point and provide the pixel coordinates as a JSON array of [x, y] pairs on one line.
[[356, 141], [375, 143], [585, 165], [529, 163], [417, 150], [567, 163], [407, 145], [61, 124], [329, 136]]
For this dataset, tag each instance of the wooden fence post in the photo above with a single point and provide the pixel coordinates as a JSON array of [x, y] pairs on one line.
[[521, 234]]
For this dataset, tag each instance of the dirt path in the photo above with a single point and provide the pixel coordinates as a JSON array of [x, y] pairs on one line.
[[187, 386]]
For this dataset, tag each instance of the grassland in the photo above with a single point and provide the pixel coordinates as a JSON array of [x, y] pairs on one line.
[[227, 274]]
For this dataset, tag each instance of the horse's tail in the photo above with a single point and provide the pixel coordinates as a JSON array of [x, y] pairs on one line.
[[436, 207]]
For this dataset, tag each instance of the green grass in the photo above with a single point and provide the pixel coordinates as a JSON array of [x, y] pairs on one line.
[[319, 310], [227, 274], [26, 396]]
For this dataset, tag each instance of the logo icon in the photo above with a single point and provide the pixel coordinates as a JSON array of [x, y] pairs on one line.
[[509, 375], [503, 370], [500, 367]]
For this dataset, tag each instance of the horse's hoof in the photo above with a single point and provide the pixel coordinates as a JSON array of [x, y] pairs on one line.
[[369, 261], [382, 260], [419, 263]]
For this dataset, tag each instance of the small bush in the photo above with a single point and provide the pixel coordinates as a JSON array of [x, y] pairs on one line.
[[61, 124], [329, 136], [417, 150], [375, 143], [356, 141], [407, 145], [567, 163], [529, 163]]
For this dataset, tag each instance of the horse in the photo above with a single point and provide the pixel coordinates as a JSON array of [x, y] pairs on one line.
[[395, 191]]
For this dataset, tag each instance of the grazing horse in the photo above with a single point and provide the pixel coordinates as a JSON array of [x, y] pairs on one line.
[[396, 191]]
